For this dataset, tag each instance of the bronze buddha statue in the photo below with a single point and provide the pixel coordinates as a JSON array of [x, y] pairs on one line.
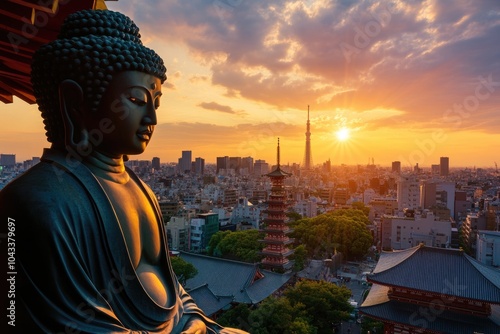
[[91, 248]]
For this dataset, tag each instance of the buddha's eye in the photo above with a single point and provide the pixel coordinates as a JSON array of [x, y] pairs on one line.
[[137, 101]]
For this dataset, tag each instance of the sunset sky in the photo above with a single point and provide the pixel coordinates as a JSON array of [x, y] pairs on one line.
[[404, 80]]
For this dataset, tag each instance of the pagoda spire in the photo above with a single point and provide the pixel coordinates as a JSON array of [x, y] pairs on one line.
[[278, 152]]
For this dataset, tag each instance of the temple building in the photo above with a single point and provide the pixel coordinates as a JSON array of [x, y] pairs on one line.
[[433, 290], [276, 251]]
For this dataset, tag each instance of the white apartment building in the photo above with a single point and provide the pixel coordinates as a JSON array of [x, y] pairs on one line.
[[408, 193], [196, 234], [406, 232], [488, 248], [306, 208], [246, 212]]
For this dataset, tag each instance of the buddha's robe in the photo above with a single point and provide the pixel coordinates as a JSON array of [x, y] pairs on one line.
[[74, 274]]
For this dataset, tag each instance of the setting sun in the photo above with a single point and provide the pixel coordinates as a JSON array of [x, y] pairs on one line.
[[343, 134]]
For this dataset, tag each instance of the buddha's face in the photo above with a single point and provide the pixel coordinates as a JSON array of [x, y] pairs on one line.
[[127, 113]]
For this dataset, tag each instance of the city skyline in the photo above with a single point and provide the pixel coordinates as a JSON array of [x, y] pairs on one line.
[[384, 80]]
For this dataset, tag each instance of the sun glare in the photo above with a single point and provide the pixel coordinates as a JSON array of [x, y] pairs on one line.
[[343, 134]]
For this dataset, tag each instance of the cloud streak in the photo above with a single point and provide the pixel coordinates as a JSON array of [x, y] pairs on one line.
[[214, 106]]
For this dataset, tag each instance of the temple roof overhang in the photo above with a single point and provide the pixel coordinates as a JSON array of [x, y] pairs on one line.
[[439, 271], [427, 319], [26, 25]]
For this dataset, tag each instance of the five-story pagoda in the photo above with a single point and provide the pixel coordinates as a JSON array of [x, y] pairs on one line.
[[276, 241]]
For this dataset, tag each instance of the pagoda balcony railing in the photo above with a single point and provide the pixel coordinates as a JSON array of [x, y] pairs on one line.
[[277, 253], [275, 212], [276, 215], [276, 207]]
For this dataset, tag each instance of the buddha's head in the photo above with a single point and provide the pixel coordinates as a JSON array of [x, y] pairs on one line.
[[98, 81]]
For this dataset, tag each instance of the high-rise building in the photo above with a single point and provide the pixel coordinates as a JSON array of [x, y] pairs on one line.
[[444, 166], [185, 162], [247, 163], [199, 166], [222, 163], [7, 160], [156, 163], [438, 194], [261, 167], [396, 167], [276, 241], [235, 164], [307, 156]]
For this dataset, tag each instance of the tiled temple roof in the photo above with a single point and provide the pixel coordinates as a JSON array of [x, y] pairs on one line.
[[437, 270], [234, 278], [208, 301]]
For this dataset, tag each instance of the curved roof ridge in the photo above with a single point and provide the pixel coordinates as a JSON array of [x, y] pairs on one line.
[[488, 273], [393, 259]]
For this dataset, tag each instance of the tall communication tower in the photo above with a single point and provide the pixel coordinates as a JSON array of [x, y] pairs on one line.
[[308, 157]]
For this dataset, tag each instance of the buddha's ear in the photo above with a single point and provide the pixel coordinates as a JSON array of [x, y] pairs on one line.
[[72, 113]]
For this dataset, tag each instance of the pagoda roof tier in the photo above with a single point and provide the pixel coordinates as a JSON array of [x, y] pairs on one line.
[[286, 265], [277, 230], [413, 316], [278, 172], [277, 241], [273, 200], [270, 253], [438, 270], [276, 217], [277, 204], [275, 220]]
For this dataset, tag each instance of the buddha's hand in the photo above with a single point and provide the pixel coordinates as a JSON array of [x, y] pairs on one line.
[[195, 326]]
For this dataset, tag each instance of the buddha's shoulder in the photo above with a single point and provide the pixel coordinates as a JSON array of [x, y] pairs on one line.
[[44, 182]]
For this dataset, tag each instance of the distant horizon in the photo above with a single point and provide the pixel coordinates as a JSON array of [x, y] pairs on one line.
[[140, 157], [383, 79]]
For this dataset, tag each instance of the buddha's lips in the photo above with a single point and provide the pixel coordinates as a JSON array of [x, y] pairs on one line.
[[144, 135]]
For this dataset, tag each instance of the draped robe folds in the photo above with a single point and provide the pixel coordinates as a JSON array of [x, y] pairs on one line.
[[74, 274]]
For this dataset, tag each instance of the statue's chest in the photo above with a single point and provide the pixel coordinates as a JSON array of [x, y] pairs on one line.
[[137, 220]]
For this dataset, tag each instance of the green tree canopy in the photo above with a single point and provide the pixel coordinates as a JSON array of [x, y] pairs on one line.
[[183, 269], [236, 317], [343, 230], [241, 245], [309, 307], [324, 302], [279, 316], [299, 257]]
